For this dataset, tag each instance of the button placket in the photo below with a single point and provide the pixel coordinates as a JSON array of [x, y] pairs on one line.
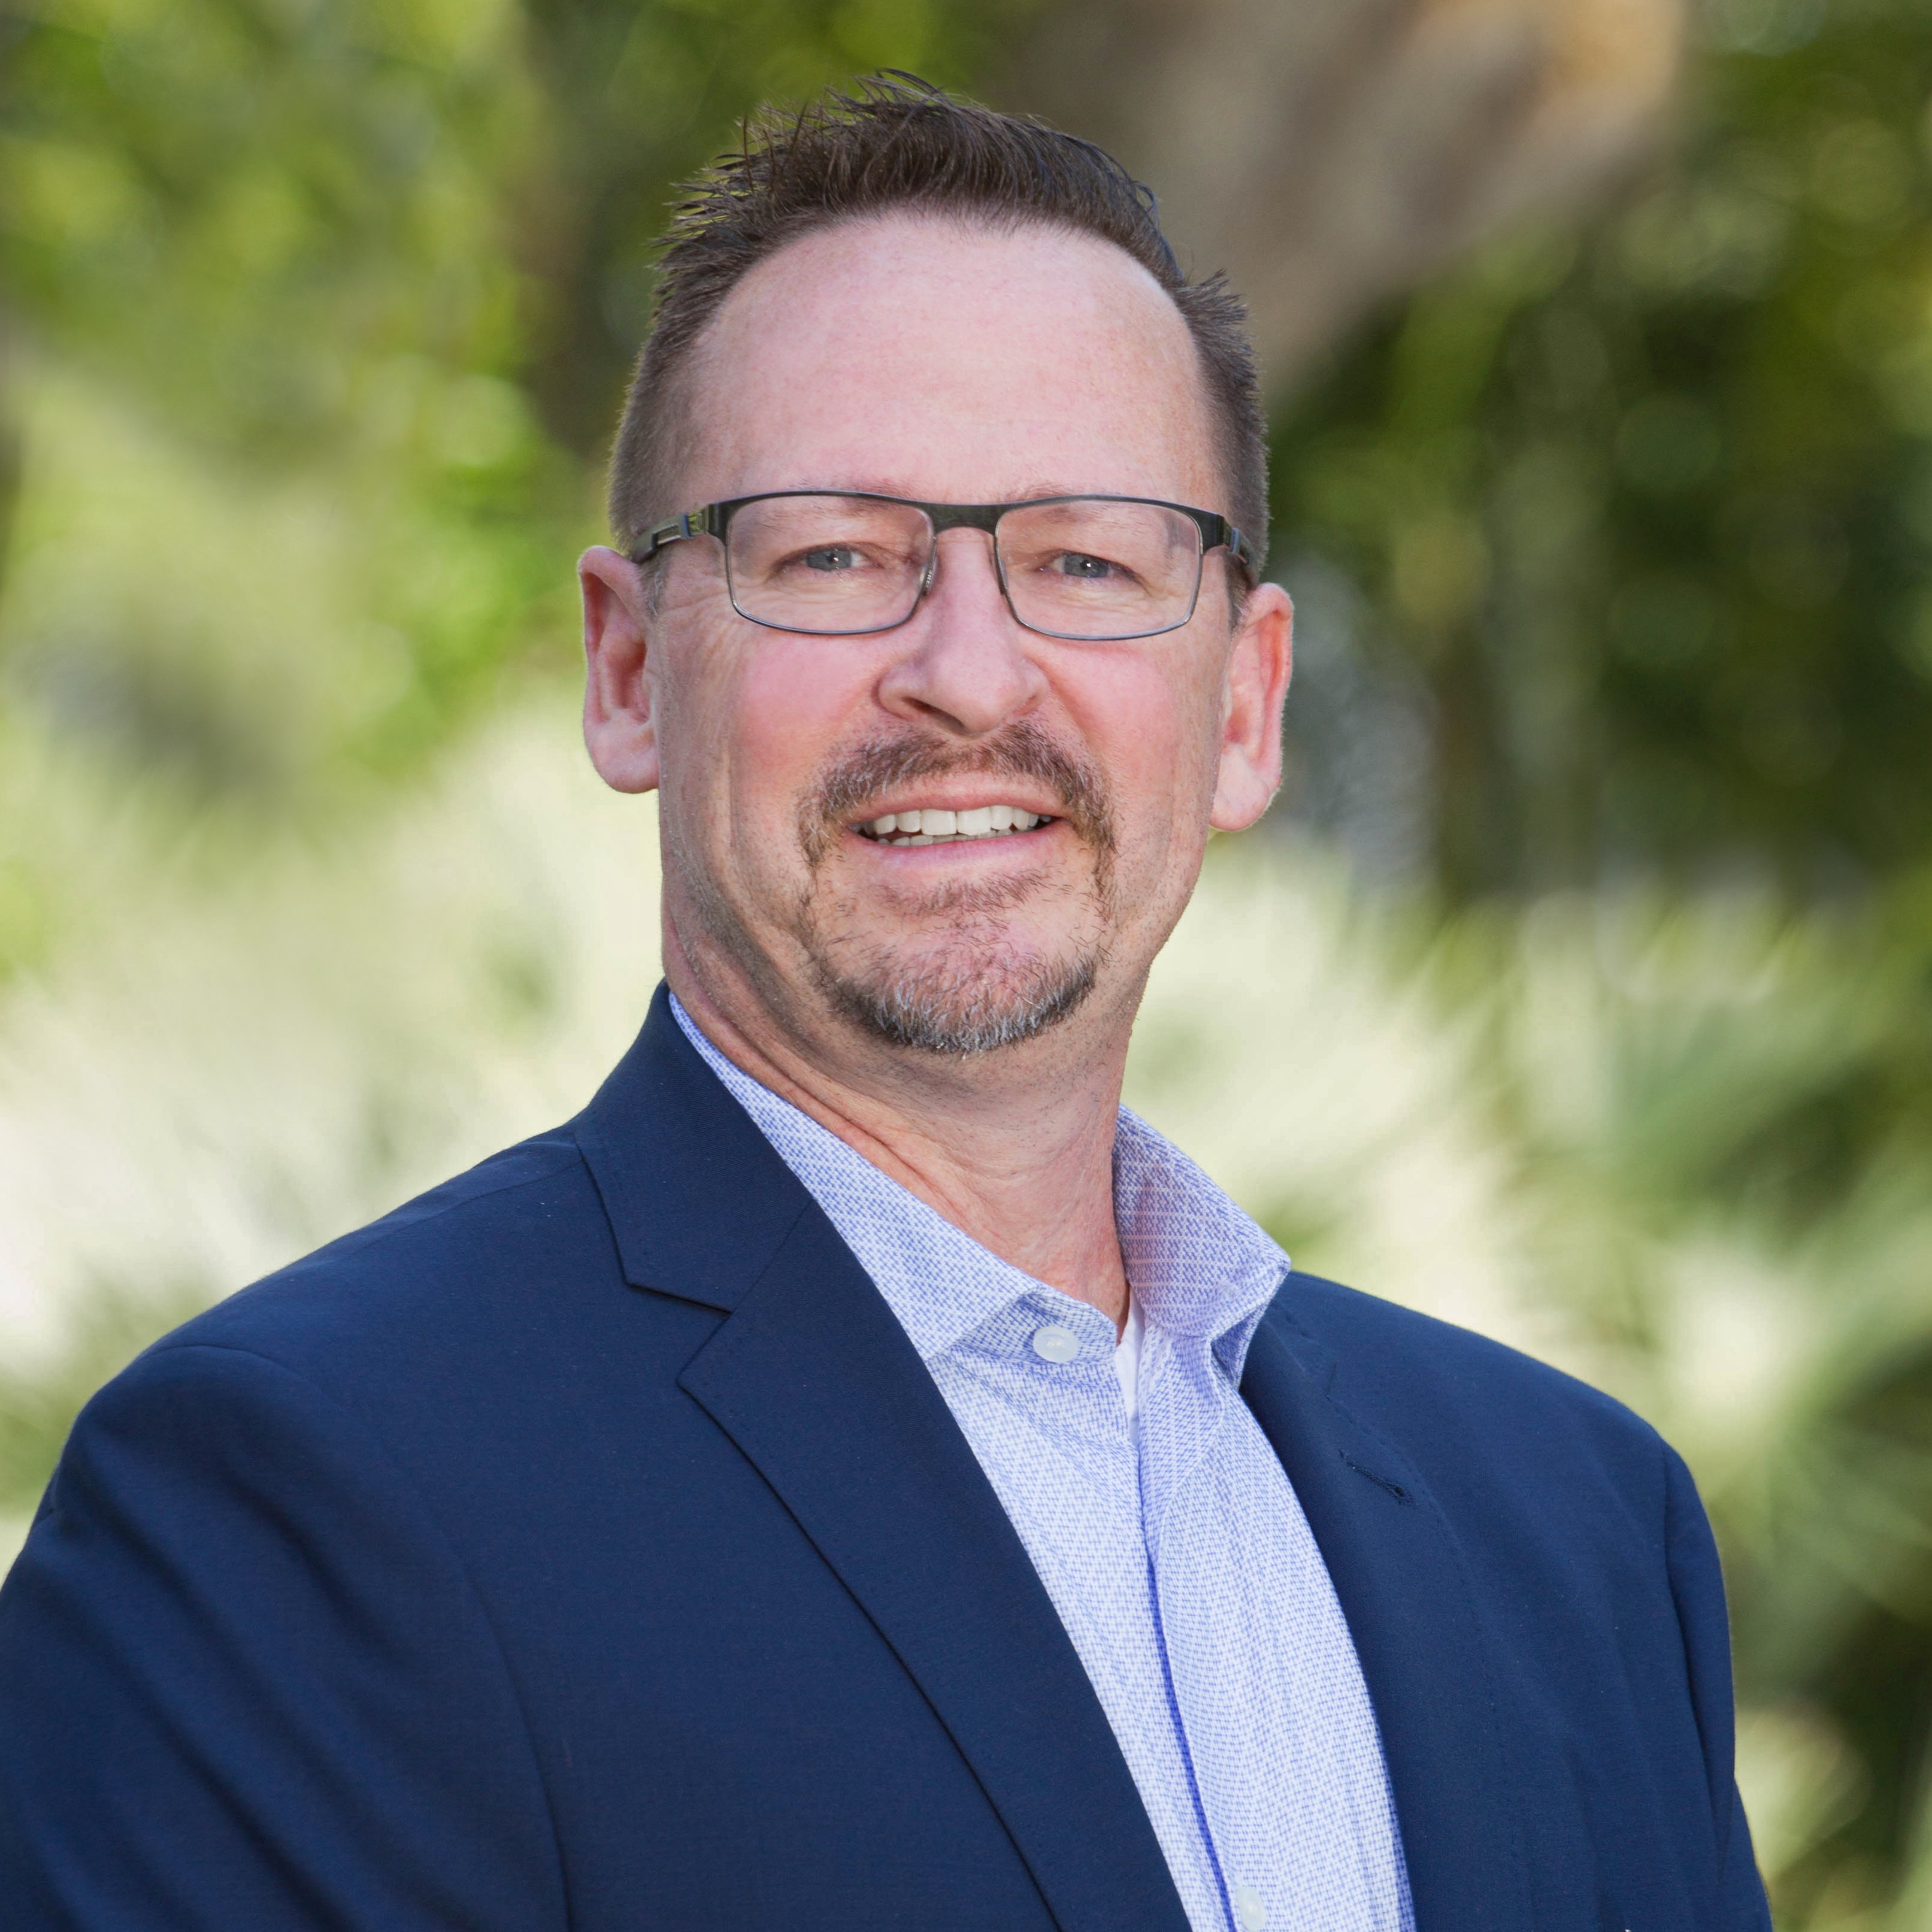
[[1183, 1411]]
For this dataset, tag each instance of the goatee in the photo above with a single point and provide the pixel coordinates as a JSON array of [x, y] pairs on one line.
[[980, 993]]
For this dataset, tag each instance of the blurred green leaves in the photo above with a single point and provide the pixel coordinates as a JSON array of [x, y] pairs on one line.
[[314, 323], [1643, 515], [241, 213], [1647, 506], [1638, 522], [263, 381]]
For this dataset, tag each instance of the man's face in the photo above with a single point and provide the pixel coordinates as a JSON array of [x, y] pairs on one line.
[[943, 362]]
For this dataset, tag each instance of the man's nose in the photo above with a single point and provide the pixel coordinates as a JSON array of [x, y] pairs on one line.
[[969, 668]]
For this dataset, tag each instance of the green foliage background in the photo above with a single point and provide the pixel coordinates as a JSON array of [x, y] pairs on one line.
[[1640, 515], [1612, 549]]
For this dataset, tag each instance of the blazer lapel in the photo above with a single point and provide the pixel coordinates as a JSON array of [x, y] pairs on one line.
[[814, 1381], [1398, 1573]]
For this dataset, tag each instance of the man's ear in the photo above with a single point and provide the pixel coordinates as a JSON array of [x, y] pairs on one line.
[[619, 728], [1250, 773]]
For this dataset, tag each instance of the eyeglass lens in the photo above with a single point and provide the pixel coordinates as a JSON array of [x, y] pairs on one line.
[[1089, 568]]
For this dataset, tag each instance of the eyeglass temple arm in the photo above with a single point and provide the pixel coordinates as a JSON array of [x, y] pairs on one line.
[[673, 530], [1243, 550]]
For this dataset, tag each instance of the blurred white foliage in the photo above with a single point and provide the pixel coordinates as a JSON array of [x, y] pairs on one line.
[[1798, 1780], [240, 1066], [1289, 1046], [230, 1078]]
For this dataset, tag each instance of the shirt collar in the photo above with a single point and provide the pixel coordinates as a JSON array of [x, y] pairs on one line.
[[1199, 1266]]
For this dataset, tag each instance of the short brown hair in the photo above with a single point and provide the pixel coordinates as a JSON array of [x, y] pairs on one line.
[[896, 142]]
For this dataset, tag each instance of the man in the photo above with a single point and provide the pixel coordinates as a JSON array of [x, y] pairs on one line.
[[852, 1475]]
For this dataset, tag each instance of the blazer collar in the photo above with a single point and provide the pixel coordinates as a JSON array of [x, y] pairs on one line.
[[1402, 1578], [698, 1201], [814, 1381]]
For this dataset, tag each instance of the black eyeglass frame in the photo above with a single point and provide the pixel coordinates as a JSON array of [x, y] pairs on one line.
[[715, 520]]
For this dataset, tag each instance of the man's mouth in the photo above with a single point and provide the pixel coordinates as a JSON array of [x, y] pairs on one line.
[[927, 826]]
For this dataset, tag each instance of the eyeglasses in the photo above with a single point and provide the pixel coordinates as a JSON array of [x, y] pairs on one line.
[[1096, 569]]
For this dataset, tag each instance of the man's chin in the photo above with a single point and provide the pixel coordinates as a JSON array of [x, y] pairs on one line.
[[958, 1006]]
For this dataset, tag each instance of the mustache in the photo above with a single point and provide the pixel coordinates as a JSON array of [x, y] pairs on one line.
[[1023, 749]]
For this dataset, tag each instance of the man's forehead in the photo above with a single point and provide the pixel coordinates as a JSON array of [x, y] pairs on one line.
[[947, 356]]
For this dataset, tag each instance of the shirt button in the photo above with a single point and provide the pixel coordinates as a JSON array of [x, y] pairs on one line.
[[1054, 1343], [1249, 1910]]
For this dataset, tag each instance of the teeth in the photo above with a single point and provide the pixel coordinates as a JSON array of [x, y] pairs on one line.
[[935, 826]]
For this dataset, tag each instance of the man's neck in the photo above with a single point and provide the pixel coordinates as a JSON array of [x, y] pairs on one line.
[[1014, 1148]]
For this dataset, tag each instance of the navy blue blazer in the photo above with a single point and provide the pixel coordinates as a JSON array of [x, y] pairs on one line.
[[584, 1546]]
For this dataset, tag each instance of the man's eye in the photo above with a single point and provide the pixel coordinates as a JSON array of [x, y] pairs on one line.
[[831, 557], [1077, 563]]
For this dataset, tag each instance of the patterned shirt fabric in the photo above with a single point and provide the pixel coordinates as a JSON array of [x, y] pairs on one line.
[[1170, 1541]]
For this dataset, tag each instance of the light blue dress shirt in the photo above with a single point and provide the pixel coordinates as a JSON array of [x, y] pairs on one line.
[[1170, 1542]]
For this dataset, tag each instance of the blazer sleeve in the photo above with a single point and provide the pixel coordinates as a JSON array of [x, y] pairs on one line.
[[244, 1682], [1737, 1903]]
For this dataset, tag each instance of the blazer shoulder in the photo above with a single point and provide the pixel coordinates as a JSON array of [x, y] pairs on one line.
[[1423, 1377], [525, 1223]]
